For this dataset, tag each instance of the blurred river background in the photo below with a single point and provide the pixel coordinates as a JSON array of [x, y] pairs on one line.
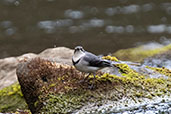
[[100, 26]]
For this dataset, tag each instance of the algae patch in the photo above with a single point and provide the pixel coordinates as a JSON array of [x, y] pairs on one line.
[[139, 53], [11, 99]]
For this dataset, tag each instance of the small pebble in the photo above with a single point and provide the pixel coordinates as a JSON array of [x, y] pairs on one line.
[[125, 113], [139, 113], [150, 106]]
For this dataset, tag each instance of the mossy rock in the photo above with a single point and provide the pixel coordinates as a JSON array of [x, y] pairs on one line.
[[50, 87], [110, 87], [162, 70], [12, 99], [138, 54]]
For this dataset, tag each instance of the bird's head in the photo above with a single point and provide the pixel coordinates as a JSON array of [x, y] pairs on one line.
[[78, 53], [79, 49]]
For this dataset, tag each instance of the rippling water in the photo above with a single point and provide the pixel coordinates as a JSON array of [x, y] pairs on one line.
[[99, 26]]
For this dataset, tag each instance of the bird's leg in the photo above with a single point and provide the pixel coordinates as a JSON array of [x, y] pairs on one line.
[[87, 76], [92, 84], [83, 80], [94, 76]]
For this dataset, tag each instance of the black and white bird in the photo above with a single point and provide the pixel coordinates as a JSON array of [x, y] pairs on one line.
[[87, 62]]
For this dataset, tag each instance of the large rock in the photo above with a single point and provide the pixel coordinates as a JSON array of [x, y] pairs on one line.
[[8, 65], [50, 87], [8, 69], [60, 55], [38, 77], [159, 60]]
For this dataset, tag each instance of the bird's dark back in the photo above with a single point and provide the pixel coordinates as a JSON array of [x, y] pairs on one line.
[[96, 61]]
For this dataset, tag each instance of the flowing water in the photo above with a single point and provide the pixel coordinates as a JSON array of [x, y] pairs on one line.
[[100, 26]]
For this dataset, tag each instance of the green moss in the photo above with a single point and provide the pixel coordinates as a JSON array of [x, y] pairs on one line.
[[63, 103], [139, 53], [13, 89], [52, 85], [148, 86], [11, 99], [132, 86], [110, 58], [22, 112], [162, 70]]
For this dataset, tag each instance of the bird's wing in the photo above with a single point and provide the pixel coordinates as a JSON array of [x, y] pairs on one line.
[[95, 61]]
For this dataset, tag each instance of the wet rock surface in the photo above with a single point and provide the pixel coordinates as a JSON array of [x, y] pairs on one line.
[[159, 60], [155, 108]]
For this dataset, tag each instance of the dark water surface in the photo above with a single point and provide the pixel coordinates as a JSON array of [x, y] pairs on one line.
[[101, 26]]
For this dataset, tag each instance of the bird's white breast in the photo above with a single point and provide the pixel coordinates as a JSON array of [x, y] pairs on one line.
[[77, 56]]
